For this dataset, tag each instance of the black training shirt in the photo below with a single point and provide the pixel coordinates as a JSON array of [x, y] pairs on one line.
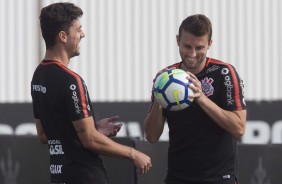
[[200, 150], [59, 97]]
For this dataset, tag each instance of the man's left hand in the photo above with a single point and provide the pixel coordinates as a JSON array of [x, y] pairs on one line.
[[108, 127]]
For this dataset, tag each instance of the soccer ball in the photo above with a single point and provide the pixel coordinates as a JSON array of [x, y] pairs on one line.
[[171, 90]]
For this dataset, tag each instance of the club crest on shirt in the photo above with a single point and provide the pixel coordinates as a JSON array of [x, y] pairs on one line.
[[207, 87]]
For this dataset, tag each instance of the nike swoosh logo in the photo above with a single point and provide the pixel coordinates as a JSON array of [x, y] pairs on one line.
[[175, 96], [174, 72]]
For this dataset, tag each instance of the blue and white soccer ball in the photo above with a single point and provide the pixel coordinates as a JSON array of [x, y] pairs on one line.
[[171, 90]]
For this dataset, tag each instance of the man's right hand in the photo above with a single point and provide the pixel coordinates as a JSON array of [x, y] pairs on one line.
[[141, 161]]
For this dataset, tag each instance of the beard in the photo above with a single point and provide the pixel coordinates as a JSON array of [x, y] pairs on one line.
[[189, 64], [75, 53]]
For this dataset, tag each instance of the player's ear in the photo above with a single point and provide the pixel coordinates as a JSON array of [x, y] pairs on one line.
[[210, 43], [63, 36], [177, 39]]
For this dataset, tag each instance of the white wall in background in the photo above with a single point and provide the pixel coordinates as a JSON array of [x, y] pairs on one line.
[[128, 41]]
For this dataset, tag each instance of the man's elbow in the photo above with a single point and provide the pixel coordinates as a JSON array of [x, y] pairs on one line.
[[151, 139], [239, 133], [86, 144], [43, 140], [91, 144]]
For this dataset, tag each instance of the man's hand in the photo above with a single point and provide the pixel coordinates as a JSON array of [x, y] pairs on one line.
[[108, 127], [196, 87]]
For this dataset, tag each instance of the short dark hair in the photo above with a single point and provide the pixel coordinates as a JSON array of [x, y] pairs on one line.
[[197, 25], [55, 18]]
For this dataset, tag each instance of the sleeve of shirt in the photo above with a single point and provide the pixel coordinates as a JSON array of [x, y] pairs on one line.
[[232, 89], [78, 104]]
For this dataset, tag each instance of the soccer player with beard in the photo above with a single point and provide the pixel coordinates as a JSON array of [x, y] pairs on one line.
[[202, 137]]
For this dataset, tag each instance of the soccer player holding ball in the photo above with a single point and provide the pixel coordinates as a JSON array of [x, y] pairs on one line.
[[63, 111], [202, 137]]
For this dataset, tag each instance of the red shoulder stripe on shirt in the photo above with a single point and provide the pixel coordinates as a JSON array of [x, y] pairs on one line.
[[79, 82], [235, 81]]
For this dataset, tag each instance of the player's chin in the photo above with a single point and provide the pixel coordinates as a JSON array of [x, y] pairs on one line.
[[190, 64], [77, 50], [77, 53]]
